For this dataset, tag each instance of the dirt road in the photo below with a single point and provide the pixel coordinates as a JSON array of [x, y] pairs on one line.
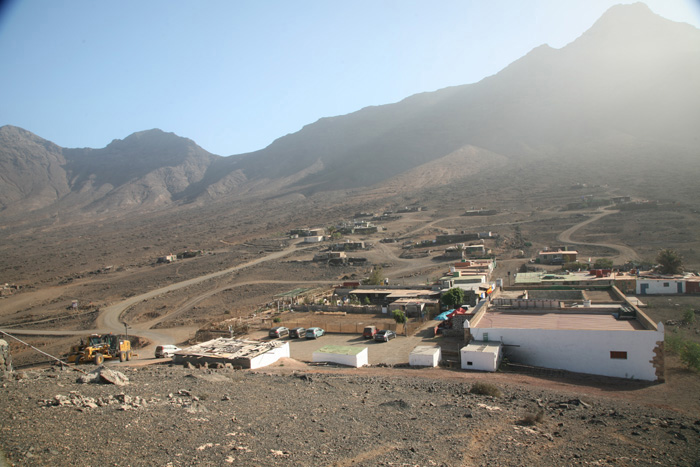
[[625, 253]]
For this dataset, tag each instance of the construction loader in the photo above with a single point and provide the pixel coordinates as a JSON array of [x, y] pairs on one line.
[[100, 347]]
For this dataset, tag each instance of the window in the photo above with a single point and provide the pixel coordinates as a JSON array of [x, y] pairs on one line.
[[618, 355], [665, 284], [469, 363]]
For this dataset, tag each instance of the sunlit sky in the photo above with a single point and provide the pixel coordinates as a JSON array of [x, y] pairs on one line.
[[236, 75]]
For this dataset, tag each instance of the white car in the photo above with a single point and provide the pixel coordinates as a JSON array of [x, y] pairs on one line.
[[166, 351]]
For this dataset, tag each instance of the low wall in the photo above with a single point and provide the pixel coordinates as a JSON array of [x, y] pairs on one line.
[[5, 358], [641, 316], [344, 327], [353, 309]]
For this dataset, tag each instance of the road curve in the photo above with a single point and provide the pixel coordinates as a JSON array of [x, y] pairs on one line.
[[625, 253], [109, 321]]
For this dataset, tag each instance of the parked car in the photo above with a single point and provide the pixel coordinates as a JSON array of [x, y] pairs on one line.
[[369, 332], [166, 351], [384, 335], [297, 333], [279, 331], [313, 333]]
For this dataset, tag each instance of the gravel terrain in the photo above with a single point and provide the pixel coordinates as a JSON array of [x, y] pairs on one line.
[[304, 415]]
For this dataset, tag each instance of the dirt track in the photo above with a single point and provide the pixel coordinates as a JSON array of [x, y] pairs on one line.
[[109, 320], [625, 253]]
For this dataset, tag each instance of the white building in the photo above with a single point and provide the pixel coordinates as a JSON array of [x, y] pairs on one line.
[[425, 355], [343, 355], [240, 352], [660, 286], [580, 340], [480, 355]]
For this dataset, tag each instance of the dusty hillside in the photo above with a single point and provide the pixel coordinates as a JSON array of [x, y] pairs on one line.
[[173, 416]]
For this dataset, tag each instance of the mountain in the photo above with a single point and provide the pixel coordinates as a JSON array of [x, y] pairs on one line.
[[146, 170], [628, 82], [624, 92], [31, 170]]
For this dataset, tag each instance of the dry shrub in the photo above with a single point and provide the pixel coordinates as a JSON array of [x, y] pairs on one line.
[[533, 418], [485, 389]]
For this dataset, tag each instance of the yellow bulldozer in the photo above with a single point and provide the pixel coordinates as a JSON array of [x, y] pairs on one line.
[[100, 347]]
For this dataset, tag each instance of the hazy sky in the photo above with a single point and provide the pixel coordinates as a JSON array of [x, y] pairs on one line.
[[235, 75]]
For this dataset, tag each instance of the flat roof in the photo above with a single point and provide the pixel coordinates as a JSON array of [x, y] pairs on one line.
[[425, 350], [553, 320], [408, 300], [561, 276], [228, 348], [396, 293], [482, 346]]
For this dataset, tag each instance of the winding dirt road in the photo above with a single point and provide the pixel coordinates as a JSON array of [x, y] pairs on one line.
[[109, 318], [625, 253]]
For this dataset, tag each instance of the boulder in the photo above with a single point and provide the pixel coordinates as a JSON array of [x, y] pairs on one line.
[[104, 375]]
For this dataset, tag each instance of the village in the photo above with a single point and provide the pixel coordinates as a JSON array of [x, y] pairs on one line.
[[404, 322], [589, 320]]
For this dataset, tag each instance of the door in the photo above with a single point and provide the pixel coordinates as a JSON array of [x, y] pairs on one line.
[[643, 288]]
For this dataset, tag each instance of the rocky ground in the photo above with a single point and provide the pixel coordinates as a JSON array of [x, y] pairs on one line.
[[303, 415]]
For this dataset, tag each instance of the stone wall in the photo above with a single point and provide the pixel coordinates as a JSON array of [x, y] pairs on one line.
[[5, 359]]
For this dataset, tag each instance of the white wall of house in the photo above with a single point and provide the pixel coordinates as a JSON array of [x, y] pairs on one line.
[[480, 356], [660, 286], [270, 357], [314, 239], [425, 355], [355, 360], [582, 351]]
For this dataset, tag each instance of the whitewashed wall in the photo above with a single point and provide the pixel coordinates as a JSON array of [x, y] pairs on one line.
[[656, 286], [480, 361], [270, 357], [424, 355], [357, 361], [582, 351]]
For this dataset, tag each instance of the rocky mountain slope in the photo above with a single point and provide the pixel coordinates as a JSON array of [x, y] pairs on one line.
[[625, 92], [169, 415]]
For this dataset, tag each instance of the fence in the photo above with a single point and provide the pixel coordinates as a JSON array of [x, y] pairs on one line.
[[331, 324], [352, 309]]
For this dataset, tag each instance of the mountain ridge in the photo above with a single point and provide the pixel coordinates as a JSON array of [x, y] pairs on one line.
[[626, 83]]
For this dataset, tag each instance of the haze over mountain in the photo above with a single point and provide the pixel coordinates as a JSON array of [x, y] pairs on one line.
[[625, 90]]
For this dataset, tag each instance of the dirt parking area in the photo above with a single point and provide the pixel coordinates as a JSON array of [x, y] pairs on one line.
[[394, 352]]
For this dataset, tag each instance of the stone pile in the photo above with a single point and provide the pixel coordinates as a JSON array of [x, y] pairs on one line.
[[5, 359]]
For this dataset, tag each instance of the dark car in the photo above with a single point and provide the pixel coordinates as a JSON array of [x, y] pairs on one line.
[[384, 335], [297, 333], [279, 331]]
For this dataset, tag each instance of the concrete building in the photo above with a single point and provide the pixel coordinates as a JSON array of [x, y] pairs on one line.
[[425, 355], [610, 340], [481, 356], [348, 246], [238, 352], [413, 308], [343, 355], [330, 256], [557, 256], [622, 280], [660, 285]]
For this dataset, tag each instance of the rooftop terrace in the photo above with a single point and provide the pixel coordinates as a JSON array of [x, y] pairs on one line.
[[556, 320]]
